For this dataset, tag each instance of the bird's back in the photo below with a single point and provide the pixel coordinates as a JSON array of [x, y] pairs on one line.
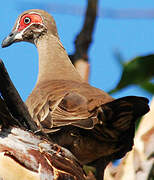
[[77, 100]]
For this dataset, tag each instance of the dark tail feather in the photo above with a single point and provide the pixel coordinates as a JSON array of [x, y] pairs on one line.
[[123, 112], [118, 128], [140, 104]]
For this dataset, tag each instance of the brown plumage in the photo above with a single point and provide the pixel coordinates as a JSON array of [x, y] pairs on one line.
[[86, 120]]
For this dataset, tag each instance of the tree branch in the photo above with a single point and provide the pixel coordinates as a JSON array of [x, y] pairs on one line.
[[84, 39], [28, 155], [13, 100], [23, 154]]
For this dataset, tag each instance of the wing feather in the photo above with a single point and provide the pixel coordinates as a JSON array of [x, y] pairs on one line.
[[72, 109]]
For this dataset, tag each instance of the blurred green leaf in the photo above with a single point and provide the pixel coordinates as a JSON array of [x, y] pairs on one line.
[[139, 71], [148, 86], [89, 168]]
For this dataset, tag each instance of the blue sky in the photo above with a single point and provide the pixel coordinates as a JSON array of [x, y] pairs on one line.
[[132, 37]]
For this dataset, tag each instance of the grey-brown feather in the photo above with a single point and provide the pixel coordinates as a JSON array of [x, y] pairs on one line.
[[66, 103]]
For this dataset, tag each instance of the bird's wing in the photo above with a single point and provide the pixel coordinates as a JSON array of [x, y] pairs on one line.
[[61, 103], [71, 109]]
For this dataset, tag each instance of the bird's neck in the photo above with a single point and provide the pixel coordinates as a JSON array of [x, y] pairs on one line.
[[54, 63]]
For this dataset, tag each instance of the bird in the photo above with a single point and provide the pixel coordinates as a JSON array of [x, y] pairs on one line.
[[82, 118]]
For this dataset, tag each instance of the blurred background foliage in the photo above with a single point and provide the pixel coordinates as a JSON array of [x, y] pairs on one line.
[[138, 71]]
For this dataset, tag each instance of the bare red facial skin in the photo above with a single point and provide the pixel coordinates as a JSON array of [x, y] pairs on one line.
[[34, 18]]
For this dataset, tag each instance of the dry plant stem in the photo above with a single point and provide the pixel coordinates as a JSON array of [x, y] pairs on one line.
[[140, 161], [13, 100]]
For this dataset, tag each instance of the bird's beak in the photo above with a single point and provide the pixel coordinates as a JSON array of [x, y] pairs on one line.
[[14, 36]]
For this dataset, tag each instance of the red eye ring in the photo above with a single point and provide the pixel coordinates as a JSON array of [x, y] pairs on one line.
[[27, 20]]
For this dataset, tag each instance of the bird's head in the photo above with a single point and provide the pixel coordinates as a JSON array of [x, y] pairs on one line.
[[30, 26]]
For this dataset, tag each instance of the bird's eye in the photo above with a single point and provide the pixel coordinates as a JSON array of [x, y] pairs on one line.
[[27, 20]]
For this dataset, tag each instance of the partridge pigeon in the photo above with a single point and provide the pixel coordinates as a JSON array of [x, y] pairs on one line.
[[82, 118]]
